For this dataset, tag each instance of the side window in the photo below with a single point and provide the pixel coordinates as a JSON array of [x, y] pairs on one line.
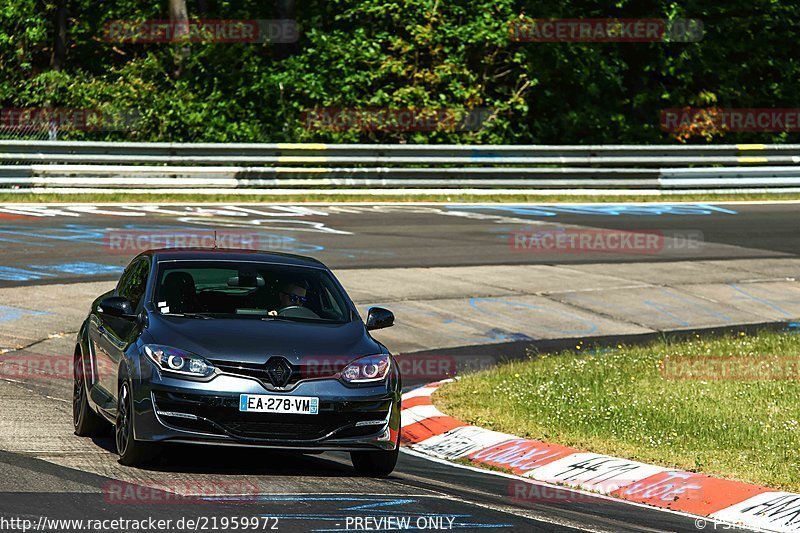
[[329, 303], [125, 279], [134, 283]]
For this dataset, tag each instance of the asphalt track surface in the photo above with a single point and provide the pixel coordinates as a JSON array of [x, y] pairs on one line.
[[320, 493], [65, 244]]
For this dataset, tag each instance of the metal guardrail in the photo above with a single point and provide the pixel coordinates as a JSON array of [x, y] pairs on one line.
[[312, 153], [61, 166]]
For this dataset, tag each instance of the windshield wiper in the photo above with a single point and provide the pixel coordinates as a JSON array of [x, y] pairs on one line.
[[190, 315], [276, 317]]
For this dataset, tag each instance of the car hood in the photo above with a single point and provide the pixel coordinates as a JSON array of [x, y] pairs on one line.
[[251, 340]]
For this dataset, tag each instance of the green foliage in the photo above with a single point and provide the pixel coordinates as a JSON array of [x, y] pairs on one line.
[[404, 54]]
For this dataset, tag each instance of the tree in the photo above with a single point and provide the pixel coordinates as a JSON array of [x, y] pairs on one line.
[[179, 21]]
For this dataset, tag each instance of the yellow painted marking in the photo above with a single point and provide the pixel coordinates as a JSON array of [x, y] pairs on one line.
[[302, 146], [753, 160], [302, 159], [749, 146]]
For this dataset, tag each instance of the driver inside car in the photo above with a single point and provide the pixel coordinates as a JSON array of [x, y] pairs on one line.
[[291, 294]]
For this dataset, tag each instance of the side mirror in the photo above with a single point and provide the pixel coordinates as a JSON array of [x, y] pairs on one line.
[[379, 318], [116, 306]]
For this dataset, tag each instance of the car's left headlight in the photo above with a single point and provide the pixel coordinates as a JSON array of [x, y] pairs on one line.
[[178, 361], [368, 369]]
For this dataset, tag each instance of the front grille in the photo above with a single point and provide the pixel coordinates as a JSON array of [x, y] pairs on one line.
[[260, 371], [279, 430], [254, 370], [223, 412]]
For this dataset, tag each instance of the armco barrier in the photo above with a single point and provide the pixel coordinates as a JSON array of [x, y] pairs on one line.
[[62, 166]]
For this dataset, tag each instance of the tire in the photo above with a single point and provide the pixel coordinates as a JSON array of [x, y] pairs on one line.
[[131, 451], [86, 422], [375, 464]]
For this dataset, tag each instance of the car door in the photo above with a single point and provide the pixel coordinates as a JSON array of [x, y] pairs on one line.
[[116, 334], [101, 346]]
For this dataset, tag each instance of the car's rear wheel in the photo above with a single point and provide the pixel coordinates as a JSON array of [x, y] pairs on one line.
[[376, 464], [86, 422], [131, 451]]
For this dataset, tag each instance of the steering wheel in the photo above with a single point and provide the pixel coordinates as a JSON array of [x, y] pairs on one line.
[[297, 311]]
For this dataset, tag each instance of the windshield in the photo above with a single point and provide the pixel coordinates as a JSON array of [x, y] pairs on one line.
[[249, 290]]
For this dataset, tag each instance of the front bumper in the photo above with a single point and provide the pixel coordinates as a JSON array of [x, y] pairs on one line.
[[350, 418]]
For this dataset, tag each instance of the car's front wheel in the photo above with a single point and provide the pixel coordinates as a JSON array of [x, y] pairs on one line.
[[131, 451], [86, 422], [375, 464]]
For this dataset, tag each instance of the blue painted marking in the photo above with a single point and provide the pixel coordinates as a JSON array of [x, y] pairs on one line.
[[9, 314], [81, 233], [478, 155], [664, 308], [415, 528], [757, 299], [17, 241], [591, 327], [494, 334], [81, 268], [292, 498], [21, 274], [386, 503], [661, 309], [355, 253], [67, 232], [35, 272], [684, 300], [114, 239], [603, 209], [372, 506]]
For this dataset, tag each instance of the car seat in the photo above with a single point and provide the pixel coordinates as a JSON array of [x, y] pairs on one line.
[[180, 293]]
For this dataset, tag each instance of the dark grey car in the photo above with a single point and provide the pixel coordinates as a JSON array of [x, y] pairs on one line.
[[237, 348]]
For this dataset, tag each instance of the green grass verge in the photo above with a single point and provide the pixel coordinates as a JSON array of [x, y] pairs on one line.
[[623, 402], [322, 197]]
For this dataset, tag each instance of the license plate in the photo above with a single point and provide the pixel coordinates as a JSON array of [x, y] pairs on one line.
[[262, 403]]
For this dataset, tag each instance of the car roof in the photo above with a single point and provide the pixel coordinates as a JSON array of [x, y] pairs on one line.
[[231, 254]]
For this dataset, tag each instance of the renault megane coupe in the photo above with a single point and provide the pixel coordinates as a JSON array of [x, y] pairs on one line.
[[236, 348]]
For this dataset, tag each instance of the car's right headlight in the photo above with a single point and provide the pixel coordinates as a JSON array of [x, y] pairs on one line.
[[368, 369], [175, 360]]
